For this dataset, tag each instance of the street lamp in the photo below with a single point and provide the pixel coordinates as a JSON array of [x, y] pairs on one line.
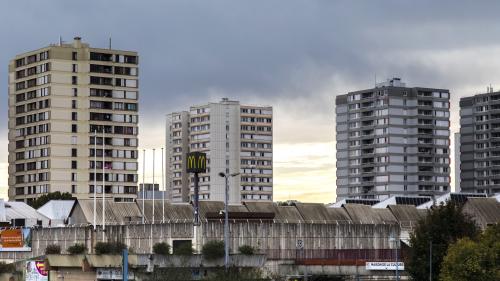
[[226, 218], [395, 240]]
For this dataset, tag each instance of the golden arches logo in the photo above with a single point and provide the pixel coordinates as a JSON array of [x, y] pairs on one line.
[[196, 162]]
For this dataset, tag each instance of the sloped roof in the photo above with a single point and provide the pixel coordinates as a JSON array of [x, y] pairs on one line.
[[173, 211], [364, 214], [116, 212], [313, 212], [287, 214], [407, 215], [486, 209], [3, 214], [57, 209], [21, 210]]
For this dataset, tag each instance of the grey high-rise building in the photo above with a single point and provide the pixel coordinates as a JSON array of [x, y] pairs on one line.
[[393, 140], [480, 143]]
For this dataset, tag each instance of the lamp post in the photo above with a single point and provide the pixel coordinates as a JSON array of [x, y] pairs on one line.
[[226, 219], [395, 240]]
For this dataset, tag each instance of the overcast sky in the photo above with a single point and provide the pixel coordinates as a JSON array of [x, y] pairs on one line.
[[294, 55]]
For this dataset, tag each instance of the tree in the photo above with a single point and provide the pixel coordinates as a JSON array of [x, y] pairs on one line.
[[161, 248], [40, 201], [474, 260], [442, 226]]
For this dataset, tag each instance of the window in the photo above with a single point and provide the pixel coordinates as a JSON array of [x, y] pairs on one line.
[[74, 128], [75, 92], [74, 152], [74, 116], [74, 55], [73, 176], [73, 164], [73, 188], [73, 104], [74, 80], [75, 69]]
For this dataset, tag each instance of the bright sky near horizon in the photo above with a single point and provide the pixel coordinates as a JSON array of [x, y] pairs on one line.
[[294, 55]]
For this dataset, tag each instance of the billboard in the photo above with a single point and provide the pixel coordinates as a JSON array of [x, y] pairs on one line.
[[385, 265], [15, 240], [35, 271], [196, 162]]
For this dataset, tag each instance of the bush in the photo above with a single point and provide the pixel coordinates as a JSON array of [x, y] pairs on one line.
[[53, 249], [246, 250], [77, 249], [161, 248], [183, 250], [213, 250], [109, 248]]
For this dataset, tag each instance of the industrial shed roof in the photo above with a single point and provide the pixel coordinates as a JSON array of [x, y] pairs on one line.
[[173, 211], [364, 214], [57, 209], [484, 209], [313, 212], [115, 212], [21, 210]]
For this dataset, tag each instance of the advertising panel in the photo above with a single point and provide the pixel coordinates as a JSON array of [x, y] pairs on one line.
[[379, 265], [35, 271], [15, 240]]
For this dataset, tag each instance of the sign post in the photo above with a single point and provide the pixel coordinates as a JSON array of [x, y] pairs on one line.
[[196, 163]]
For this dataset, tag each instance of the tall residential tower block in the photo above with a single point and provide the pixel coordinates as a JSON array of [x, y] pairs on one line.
[[63, 99], [393, 140], [236, 138], [480, 143]]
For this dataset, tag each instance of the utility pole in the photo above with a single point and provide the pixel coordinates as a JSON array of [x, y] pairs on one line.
[[226, 218], [430, 261]]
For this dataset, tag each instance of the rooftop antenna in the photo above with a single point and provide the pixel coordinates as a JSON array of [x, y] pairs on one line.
[[110, 42]]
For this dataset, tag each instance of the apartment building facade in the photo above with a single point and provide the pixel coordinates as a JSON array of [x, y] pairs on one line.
[[73, 114], [480, 143], [393, 140], [236, 138]]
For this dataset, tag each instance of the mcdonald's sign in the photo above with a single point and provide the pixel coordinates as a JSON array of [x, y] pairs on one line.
[[196, 162]]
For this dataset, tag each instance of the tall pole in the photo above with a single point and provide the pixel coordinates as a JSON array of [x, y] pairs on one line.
[[196, 200], [95, 178], [430, 261], [164, 189], [397, 260], [103, 185], [153, 186], [226, 226], [143, 182]]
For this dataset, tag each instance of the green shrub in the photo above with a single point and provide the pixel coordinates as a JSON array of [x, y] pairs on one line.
[[161, 248], [77, 249], [183, 250], [246, 250], [213, 250], [53, 249], [109, 248]]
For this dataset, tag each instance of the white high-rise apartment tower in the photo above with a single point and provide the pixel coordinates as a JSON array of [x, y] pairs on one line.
[[61, 98], [236, 138]]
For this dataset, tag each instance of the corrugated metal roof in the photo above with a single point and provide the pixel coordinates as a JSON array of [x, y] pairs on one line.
[[406, 213], [116, 212], [173, 211], [313, 212], [57, 209], [288, 214], [21, 210], [367, 215], [485, 209]]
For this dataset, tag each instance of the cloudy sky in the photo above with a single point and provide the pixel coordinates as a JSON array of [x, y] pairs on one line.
[[295, 55]]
